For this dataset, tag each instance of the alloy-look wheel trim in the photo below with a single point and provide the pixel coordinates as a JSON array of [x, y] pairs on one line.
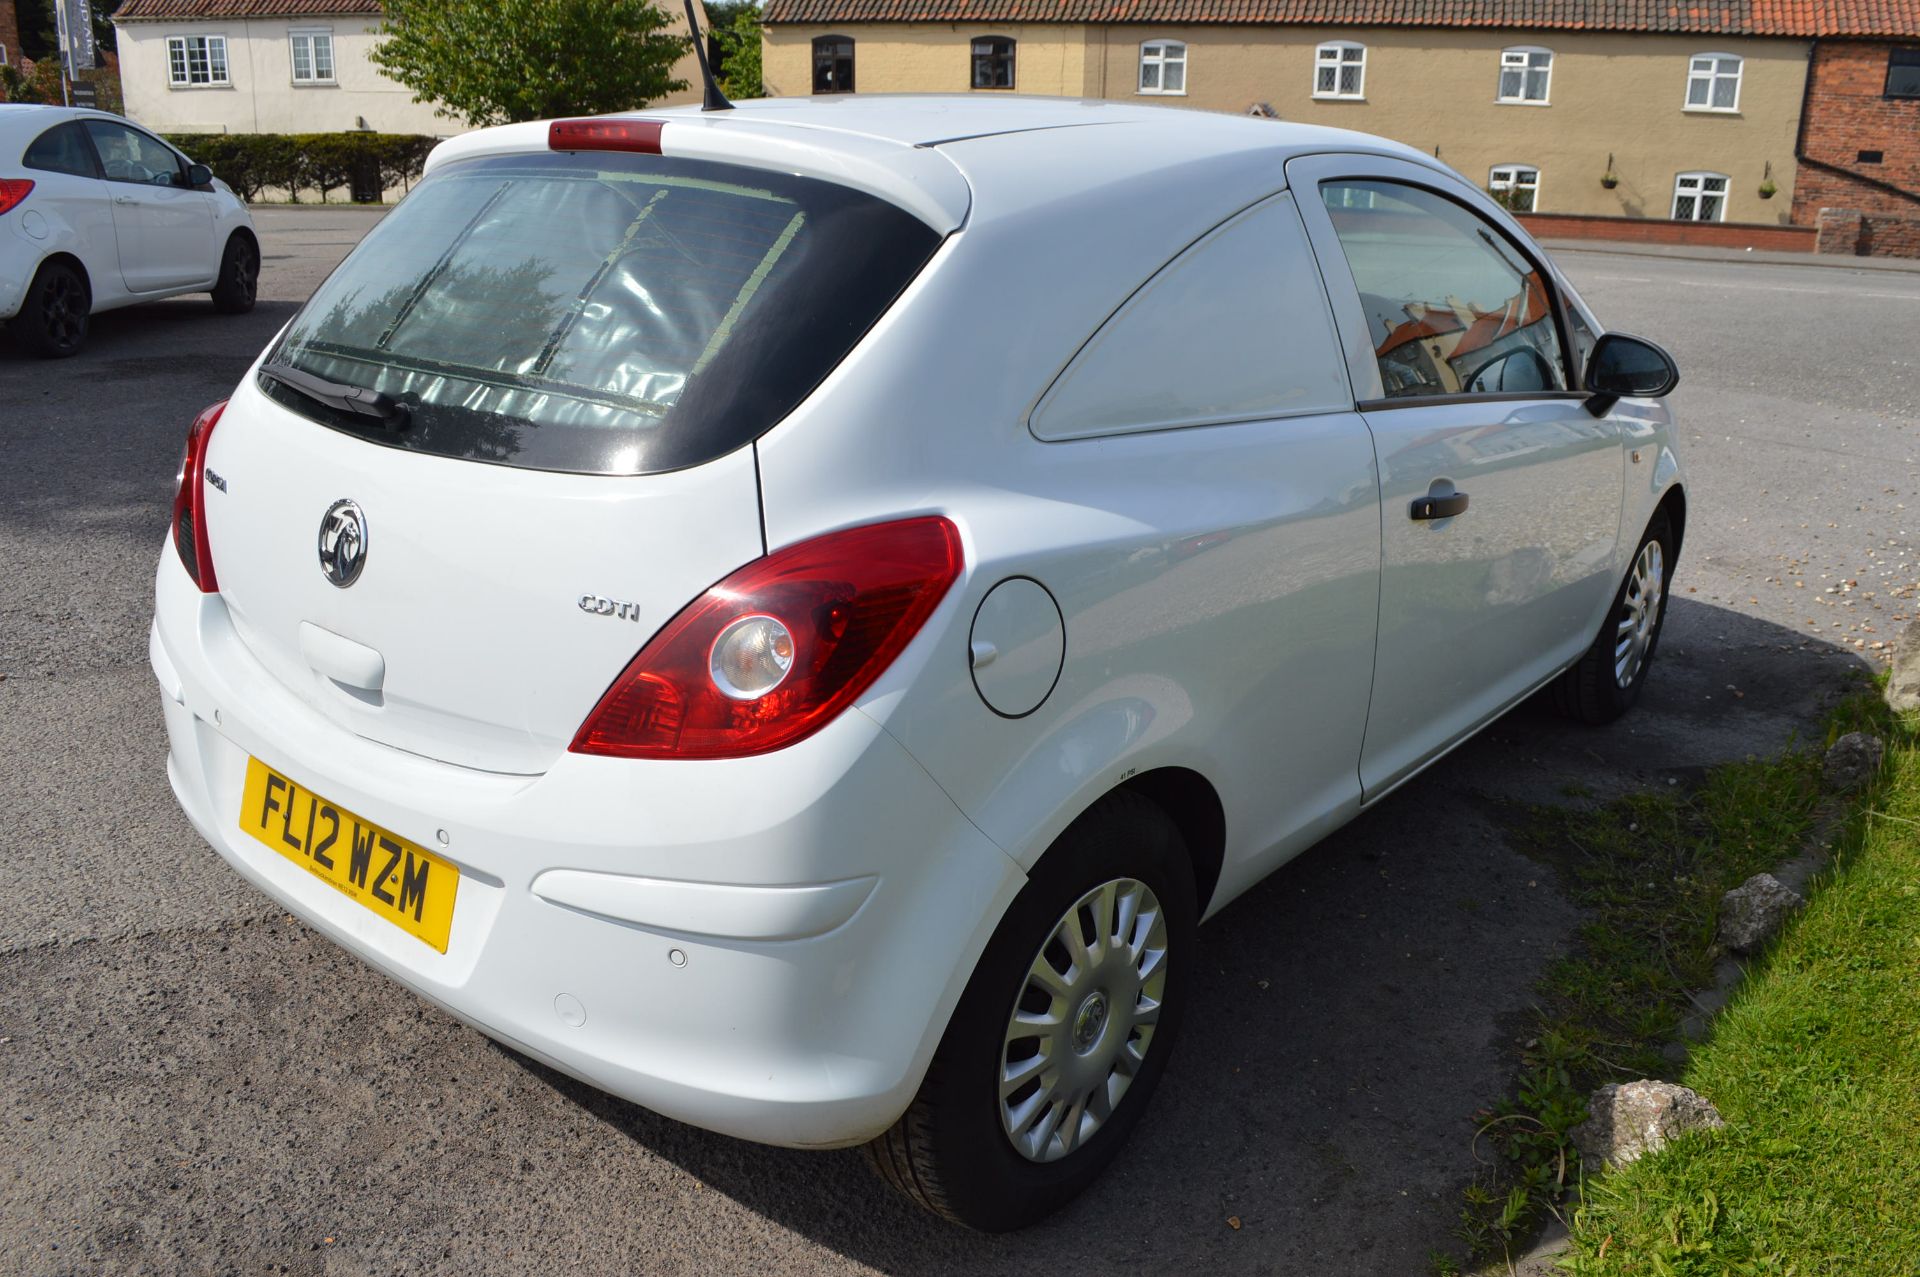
[[1639, 614], [1084, 1020]]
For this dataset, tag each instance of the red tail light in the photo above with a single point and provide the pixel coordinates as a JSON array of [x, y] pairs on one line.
[[190, 502], [778, 649], [639, 136], [12, 191]]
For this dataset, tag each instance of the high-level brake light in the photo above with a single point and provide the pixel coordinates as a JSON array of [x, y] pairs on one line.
[[639, 136]]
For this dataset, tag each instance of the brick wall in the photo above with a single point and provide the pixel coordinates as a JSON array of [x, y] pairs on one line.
[[10, 31], [1847, 112], [1642, 230], [1849, 232]]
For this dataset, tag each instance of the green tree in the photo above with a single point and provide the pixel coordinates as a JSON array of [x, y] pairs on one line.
[[738, 66], [498, 61]]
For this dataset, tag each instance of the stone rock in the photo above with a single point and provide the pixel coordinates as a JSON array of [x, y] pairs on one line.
[[1628, 1119], [1753, 911], [1903, 685], [1853, 761]]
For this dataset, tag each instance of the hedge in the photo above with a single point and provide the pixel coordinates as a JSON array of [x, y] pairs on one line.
[[296, 162]]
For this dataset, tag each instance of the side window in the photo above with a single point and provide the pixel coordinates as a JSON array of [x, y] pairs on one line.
[[62, 150], [1452, 305], [1234, 329], [1585, 333], [128, 155], [833, 64]]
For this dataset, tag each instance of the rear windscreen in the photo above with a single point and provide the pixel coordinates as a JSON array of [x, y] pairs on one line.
[[599, 313]]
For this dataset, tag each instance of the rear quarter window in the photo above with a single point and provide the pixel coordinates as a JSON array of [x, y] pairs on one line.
[[600, 313], [1236, 328], [62, 149]]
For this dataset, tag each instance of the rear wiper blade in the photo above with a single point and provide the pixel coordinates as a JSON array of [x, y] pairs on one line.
[[364, 401]]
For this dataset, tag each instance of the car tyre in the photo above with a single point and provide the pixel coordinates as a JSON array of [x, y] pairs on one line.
[[1121, 878], [234, 291], [1605, 683], [53, 317]]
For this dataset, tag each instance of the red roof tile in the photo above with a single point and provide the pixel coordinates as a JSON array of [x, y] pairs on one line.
[[150, 10], [1802, 18]]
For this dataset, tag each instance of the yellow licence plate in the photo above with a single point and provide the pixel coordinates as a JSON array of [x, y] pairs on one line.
[[403, 882]]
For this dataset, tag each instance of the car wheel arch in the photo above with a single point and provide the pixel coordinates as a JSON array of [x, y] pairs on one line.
[[1673, 504], [72, 261], [1192, 803]]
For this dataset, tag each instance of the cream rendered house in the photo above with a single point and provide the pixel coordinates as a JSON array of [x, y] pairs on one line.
[[273, 66], [1615, 108]]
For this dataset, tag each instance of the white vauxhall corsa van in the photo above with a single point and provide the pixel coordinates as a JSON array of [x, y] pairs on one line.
[[794, 615]]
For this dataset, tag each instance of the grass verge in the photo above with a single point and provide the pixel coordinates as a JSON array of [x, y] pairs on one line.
[[1650, 870], [1816, 1067]]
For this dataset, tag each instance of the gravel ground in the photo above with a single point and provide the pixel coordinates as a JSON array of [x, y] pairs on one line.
[[190, 1081]]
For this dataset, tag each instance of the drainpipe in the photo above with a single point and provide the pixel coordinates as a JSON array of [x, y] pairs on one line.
[[253, 71], [1806, 97]]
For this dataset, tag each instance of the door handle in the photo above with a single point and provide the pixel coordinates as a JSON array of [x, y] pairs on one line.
[[1433, 507], [125, 199]]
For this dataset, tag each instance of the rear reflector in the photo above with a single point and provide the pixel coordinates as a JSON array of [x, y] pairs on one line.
[[190, 502], [13, 190], [639, 136]]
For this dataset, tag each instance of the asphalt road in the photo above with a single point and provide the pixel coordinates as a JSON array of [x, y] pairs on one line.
[[190, 1081]]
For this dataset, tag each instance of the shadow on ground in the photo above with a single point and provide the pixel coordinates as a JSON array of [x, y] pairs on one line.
[[1349, 1016]]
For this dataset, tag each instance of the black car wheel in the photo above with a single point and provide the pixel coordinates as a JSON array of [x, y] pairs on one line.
[[1605, 683], [52, 322], [239, 278], [1063, 1031]]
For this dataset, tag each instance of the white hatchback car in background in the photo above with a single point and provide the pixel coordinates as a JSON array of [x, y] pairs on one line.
[[793, 615], [97, 213]]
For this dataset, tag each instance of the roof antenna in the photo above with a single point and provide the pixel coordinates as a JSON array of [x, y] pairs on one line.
[[715, 99]]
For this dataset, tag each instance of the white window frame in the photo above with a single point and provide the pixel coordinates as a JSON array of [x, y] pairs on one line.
[[312, 35], [1513, 183], [1169, 53], [1698, 191], [1332, 55], [180, 62], [1711, 77], [1519, 58]]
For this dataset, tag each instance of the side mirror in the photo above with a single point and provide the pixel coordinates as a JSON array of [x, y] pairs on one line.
[[199, 175], [1623, 367]]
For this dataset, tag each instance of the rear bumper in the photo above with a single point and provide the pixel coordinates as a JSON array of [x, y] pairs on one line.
[[19, 258], [765, 947]]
